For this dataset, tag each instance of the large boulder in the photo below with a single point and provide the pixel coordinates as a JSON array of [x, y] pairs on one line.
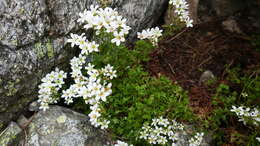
[[60, 126], [32, 41], [211, 9]]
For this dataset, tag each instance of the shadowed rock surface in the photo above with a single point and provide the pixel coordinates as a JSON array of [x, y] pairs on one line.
[[32, 42]]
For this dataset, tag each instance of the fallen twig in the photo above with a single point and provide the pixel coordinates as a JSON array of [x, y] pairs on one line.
[[176, 36]]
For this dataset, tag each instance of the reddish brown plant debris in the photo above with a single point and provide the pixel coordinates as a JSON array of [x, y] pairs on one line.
[[204, 47]]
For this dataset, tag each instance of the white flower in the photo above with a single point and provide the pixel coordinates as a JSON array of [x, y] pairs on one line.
[[246, 114], [152, 35], [143, 35], [109, 72], [93, 75], [120, 21], [189, 23], [119, 37], [125, 30], [50, 85], [94, 115], [73, 40], [68, 95], [181, 9], [89, 67], [93, 47], [108, 18], [160, 131], [104, 124], [156, 32], [196, 140]]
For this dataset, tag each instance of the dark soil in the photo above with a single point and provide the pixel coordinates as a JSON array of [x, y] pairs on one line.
[[186, 55]]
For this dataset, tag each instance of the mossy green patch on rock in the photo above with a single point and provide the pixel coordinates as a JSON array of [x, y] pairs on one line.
[[10, 134], [105, 3], [21, 10], [50, 49], [10, 87], [61, 119], [14, 42], [39, 50], [44, 48]]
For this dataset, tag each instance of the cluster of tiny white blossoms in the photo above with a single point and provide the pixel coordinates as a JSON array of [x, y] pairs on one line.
[[82, 42], [161, 131], [94, 87], [151, 34], [89, 83], [50, 86], [121, 143], [181, 9], [196, 140], [245, 114], [107, 20]]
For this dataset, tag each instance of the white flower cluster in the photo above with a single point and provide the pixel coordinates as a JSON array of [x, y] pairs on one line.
[[196, 140], [107, 20], [50, 86], [121, 143], [89, 83], [94, 87], [81, 41], [246, 114], [161, 131], [181, 9], [96, 119], [151, 34]]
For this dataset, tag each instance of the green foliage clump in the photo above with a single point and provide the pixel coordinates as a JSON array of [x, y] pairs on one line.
[[137, 97], [244, 91]]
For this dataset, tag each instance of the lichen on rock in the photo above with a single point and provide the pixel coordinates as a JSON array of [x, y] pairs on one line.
[[63, 127]]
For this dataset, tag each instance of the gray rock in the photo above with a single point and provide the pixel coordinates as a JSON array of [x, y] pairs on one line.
[[63, 14], [10, 135], [32, 42], [22, 121], [206, 77], [34, 106], [227, 7], [21, 70], [188, 133], [22, 22], [211, 9], [140, 14], [231, 26], [63, 127]]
